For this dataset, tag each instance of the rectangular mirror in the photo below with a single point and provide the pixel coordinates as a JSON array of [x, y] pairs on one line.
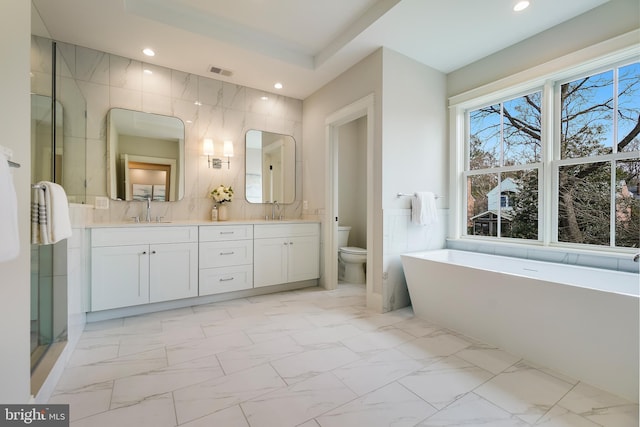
[[145, 155], [270, 165]]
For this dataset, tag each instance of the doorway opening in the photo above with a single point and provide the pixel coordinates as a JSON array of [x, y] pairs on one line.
[[359, 116]]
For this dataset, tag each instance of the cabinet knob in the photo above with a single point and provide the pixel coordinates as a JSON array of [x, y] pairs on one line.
[[291, 243], [143, 253], [153, 252]]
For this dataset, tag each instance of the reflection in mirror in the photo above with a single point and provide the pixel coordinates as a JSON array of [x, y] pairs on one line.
[[42, 165], [270, 167], [146, 156]]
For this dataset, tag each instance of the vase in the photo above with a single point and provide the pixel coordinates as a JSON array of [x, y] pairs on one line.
[[223, 213]]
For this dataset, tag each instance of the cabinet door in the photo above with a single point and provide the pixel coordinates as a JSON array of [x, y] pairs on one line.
[[269, 262], [304, 258], [173, 271], [119, 276]]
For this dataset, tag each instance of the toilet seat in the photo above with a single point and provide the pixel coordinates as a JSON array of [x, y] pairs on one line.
[[353, 250]]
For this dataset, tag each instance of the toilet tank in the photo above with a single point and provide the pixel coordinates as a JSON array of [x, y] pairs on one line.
[[343, 235]]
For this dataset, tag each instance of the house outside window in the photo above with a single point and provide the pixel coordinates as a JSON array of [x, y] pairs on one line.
[[560, 164]]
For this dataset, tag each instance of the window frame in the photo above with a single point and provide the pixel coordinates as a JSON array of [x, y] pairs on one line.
[[550, 162]]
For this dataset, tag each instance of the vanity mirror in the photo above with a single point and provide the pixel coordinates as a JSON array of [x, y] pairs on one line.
[[270, 164], [145, 155]]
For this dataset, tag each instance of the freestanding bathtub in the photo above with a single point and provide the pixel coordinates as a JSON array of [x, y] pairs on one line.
[[579, 321]]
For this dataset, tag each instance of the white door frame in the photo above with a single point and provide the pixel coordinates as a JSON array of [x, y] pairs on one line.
[[361, 108]]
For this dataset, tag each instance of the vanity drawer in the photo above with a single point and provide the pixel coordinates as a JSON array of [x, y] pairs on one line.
[[214, 233], [265, 231], [142, 235], [221, 254], [225, 279]]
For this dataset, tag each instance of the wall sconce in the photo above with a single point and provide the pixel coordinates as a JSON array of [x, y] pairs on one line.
[[207, 149]]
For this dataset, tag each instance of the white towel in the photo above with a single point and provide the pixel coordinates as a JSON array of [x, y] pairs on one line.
[[423, 209], [50, 220], [9, 239]]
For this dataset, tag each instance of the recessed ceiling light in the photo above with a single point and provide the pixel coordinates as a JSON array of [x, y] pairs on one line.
[[147, 71], [148, 51], [521, 5], [264, 98], [198, 103], [278, 85]]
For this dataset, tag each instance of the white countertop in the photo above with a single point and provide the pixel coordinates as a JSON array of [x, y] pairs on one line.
[[182, 223]]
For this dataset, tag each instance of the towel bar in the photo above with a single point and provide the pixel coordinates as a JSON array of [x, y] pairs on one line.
[[411, 195]]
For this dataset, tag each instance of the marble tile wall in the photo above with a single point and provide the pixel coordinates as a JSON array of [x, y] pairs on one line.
[[208, 107]]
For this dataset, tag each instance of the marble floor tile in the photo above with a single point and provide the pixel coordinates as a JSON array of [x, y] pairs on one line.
[[560, 417], [445, 381], [472, 410], [381, 339], [600, 407], [136, 388], [154, 412], [326, 334], [313, 358], [437, 344], [377, 370], [258, 354], [110, 369], [298, 403], [220, 393], [308, 364], [492, 359], [230, 417], [85, 401], [392, 405], [524, 391], [209, 346]]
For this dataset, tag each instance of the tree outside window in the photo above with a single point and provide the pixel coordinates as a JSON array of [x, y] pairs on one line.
[[596, 162]]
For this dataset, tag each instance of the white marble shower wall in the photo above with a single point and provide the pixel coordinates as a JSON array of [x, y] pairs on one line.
[[208, 107], [400, 236]]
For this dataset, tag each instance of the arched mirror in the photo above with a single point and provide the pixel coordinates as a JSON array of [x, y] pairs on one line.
[[270, 164], [145, 155]]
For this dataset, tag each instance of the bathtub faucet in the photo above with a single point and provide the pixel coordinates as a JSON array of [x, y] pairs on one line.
[[636, 257]]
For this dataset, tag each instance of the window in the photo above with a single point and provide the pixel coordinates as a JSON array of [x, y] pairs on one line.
[[504, 154], [597, 171], [590, 168]]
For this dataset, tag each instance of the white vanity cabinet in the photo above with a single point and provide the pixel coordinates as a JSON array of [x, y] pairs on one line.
[[138, 265], [285, 253], [226, 258]]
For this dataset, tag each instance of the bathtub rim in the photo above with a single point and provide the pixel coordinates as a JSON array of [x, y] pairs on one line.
[[425, 256]]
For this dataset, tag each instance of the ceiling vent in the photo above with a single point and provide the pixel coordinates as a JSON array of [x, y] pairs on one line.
[[220, 71]]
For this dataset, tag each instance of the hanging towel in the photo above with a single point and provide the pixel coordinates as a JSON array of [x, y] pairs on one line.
[[50, 220], [9, 239], [423, 209]]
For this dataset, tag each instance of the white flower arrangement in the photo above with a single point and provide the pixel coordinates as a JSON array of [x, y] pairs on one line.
[[221, 194]]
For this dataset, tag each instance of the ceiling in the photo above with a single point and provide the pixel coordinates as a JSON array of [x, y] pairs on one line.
[[302, 43]]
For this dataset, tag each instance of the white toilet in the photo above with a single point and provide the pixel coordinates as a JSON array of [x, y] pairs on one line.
[[354, 259]]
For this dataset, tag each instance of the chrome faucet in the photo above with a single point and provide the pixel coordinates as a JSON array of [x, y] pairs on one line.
[[636, 257], [148, 218], [274, 206]]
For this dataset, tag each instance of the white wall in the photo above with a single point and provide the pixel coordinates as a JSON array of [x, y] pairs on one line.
[[414, 158], [409, 154], [15, 113], [352, 176], [363, 79]]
